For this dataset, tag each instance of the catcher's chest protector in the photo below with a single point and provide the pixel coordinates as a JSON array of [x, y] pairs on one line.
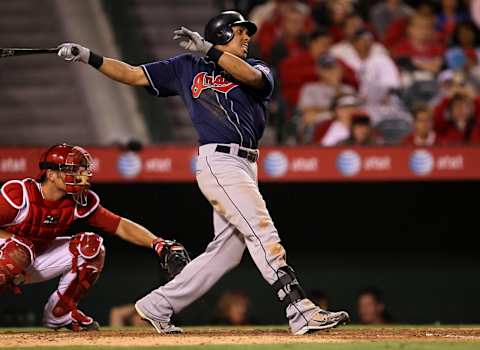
[[42, 221]]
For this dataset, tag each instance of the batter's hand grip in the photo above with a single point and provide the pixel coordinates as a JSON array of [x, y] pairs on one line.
[[75, 50]]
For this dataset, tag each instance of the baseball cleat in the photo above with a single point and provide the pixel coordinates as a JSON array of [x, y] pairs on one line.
[[324, 320], [80, 322], [160, 327]]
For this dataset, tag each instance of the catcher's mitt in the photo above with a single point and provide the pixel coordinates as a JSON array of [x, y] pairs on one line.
[[173, 257]]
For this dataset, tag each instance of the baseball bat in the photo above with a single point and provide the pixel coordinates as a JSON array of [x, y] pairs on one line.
[[9, 52]]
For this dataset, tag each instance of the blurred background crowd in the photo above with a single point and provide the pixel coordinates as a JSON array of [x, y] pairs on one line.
[[357, 72], [348, 72]]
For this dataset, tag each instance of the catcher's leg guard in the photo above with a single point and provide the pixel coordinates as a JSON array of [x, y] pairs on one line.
[[88, 256], [16, 254]]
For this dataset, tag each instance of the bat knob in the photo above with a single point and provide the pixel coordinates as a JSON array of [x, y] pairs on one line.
[[75, 50]]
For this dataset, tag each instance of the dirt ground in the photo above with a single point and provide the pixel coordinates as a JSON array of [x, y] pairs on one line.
[[146, 337]]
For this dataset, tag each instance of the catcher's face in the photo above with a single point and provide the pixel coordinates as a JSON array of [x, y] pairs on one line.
[[72, 180], [239, 44]]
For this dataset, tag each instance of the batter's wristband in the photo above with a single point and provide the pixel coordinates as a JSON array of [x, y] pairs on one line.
[[214, 54], [95, 60]]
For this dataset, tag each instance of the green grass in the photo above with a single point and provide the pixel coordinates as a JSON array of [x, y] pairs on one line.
[[343, 346]]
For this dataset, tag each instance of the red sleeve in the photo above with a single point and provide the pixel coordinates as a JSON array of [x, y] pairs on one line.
[[439, 121], [104, 220], [395, 32], [7, 212]]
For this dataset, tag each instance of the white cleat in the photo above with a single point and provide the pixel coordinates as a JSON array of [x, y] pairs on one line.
[[160, 327], [324, 320]]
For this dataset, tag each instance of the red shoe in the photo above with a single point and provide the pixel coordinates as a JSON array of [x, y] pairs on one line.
[[81, 322]]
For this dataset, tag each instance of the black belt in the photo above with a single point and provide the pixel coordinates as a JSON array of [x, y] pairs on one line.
[[251, 156]]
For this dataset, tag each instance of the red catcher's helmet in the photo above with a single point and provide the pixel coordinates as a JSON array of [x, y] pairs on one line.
[[75, 162]]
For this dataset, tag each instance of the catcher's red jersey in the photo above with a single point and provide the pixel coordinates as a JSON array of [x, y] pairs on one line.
[[40, 220]]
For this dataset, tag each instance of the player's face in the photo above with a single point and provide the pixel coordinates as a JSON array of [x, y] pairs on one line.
[[57, 178], [239, 44]]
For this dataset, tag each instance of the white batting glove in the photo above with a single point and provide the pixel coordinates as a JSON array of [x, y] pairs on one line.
[[80, 53], [192, 41]]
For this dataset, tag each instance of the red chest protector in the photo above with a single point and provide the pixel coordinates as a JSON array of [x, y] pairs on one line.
[[41, 221]]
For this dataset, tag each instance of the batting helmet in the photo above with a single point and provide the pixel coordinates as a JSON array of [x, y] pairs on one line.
[[219, 29]]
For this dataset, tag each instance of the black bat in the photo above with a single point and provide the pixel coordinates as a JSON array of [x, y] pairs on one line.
[[8, 52]]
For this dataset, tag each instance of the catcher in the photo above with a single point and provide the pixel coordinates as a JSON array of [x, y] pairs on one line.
[[36, 214]]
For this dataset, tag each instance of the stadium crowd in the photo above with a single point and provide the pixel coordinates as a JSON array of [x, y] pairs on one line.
[[358, 72]]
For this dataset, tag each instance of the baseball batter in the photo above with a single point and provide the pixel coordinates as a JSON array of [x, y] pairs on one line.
[[226, 95], [34, 217]]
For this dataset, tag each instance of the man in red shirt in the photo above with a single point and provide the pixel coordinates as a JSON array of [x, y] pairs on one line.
[[423, 134], [421, 50], [34, 217], [456, 119]]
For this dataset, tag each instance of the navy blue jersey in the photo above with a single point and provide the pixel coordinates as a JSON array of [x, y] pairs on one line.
[[222, 109]]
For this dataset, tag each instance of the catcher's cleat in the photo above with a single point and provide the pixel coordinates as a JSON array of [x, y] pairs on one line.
[[81, 322], [160, 327], [324, 320]]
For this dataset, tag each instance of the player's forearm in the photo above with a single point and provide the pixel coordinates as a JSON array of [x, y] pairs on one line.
[[123, 72], [135, 233], [241, 70]]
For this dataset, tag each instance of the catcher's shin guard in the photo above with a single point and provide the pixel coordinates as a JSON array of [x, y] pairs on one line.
[[16, 254], [64, 310]]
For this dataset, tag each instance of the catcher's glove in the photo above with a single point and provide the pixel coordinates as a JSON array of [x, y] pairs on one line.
[[173, 256]]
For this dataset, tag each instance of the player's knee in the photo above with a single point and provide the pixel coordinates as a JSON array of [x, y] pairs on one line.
[[16, 254], [98, 261], [89, 246]]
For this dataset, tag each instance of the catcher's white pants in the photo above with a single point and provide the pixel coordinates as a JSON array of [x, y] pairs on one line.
[[241, 219], [55, 261]]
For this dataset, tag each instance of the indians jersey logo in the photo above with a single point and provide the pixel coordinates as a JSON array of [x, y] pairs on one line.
[[202, 81]]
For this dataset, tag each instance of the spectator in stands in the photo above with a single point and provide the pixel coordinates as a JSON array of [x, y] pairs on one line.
[[332, 14], [387, 12], [293, 38], [451, 82], [296, 71], [286, 30], [125, 315], [451, 13], [371, 307], [331, 132], [464, 54], [375, 70], [420, 59], [293, 72], [421, 50], [475, 11], [396, 31], [233, 309], [316, 98], [361, 132], [423, 134], [262, 13], [456, 119]]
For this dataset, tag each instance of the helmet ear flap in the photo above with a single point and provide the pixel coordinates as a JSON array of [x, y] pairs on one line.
[[225, 35]]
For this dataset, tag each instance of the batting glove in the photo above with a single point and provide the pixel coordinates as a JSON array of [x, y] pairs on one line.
[[192, 41], [80, 53]]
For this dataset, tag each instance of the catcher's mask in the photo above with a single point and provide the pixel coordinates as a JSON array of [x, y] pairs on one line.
[[75, 162]]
